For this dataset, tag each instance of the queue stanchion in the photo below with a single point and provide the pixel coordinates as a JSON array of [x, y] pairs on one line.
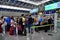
[[3, 33], [51, 29], [27, 34], [47, 25], [3, 30], [31, 36], [50, 34], [33, 32], [16, 35], [16, 31]]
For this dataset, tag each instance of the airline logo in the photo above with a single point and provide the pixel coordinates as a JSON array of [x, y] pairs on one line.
[[59, 4]]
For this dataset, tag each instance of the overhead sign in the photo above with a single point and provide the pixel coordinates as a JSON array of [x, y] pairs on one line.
[[34, 10], [52, 6]]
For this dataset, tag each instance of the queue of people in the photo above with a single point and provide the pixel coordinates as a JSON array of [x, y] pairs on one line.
[[13, 24]]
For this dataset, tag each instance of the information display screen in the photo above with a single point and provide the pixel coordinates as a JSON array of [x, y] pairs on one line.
[[34, 10], [52, 6]]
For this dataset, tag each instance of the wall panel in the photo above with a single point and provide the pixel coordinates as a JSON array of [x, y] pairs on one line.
[[7, 13]]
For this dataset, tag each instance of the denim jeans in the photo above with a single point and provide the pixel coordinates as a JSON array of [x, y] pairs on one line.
[[3, 29], [14, 31], [29, 28]]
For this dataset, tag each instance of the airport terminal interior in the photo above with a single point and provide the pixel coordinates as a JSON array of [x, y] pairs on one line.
[[29, 19]]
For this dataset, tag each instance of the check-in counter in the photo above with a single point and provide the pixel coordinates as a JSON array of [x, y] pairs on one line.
[[58, 23]]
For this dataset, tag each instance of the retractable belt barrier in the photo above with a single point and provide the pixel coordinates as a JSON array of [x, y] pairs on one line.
[[30, 36], [42, 25]]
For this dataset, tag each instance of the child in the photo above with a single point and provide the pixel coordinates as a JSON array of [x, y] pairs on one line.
[[15, 28], [12, 26]]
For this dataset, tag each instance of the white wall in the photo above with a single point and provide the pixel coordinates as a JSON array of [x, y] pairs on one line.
[[7, 13]]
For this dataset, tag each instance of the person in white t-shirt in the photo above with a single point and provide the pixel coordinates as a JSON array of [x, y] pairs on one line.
[[3, 25], [13, 24]]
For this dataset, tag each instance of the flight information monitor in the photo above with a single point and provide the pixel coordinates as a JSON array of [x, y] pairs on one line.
[[52, 6]]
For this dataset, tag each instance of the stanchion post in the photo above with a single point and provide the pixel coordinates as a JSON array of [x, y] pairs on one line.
[[3, 30], [55, 23], [16, 31], [3, 33], [50, 28], [27, 34]]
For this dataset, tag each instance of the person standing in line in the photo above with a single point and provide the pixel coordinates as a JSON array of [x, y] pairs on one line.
[[8, 19], [50, 21], [1, 21], [15, 28], [30, 23], [40, 22], [3, 26], [22, 23], [36, 23], [14, 25]]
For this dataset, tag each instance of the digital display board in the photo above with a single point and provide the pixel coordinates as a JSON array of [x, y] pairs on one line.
[[52, 6], [34, 10]]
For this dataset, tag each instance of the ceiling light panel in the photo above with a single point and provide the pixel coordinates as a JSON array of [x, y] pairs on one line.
[[35, 3]]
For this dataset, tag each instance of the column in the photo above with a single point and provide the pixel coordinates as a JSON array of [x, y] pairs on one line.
[[55, 22]]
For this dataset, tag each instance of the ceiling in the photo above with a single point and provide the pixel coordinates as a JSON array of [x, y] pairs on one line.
[[36, 0], [17, 4], [52, 1], [29, 4]]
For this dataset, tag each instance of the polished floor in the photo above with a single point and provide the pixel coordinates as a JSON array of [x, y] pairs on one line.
[[36, 36]]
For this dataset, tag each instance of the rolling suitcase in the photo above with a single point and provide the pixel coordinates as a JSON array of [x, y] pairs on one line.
[[19, 30], [0, 28], [11, 31]]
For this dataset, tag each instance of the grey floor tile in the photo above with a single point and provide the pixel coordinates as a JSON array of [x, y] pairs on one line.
[[35, 36]]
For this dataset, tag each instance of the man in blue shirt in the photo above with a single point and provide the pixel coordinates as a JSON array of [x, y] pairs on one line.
[[8, 19], [40, 20]]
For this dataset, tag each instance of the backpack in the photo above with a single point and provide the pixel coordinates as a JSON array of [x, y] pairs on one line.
[[20, 21], [19, 30], [30, 20]]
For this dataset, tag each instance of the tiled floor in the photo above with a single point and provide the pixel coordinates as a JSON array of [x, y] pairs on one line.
[[36, 36]]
